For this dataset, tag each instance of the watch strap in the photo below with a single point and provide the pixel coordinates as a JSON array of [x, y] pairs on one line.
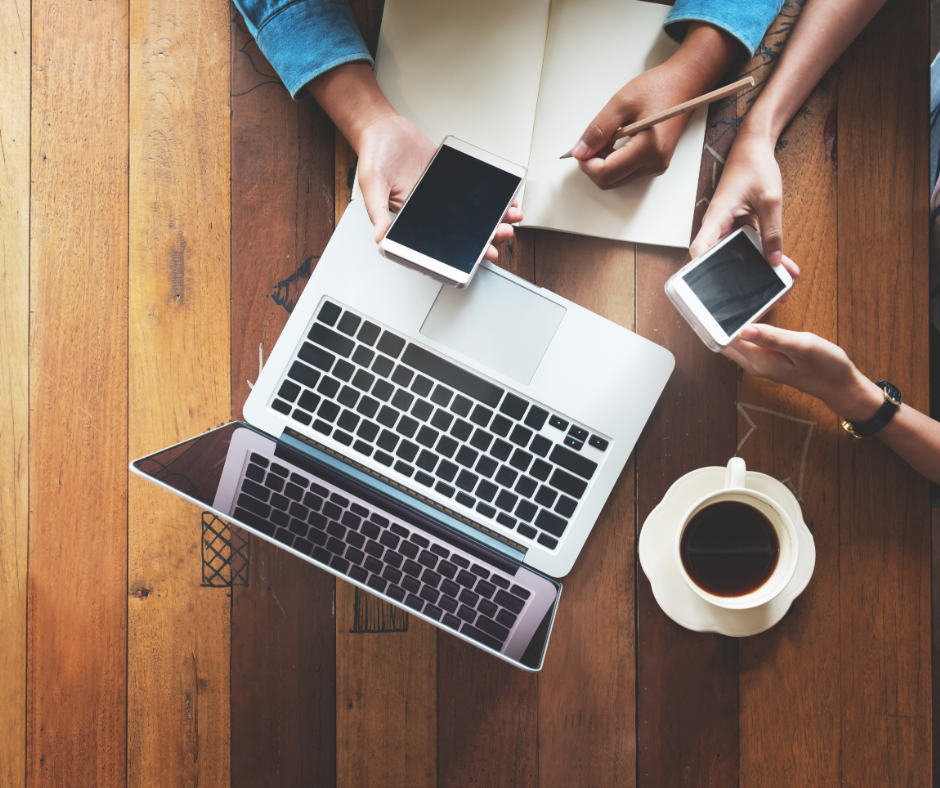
[[885, 413]]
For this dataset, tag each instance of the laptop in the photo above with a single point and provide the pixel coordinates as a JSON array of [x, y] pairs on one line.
[[448, 451]]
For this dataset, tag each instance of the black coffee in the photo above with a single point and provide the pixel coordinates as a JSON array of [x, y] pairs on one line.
[[729, 549]]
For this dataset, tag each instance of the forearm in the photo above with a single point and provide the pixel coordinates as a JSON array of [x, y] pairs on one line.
[[910, 434], [352, 98], [824, 30], [705, 55]]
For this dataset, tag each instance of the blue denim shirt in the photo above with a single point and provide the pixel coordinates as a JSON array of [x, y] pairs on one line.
[[304, 38]]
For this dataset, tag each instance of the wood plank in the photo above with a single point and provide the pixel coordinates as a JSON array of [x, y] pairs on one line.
[[179, 384], [789, 676], [14, 383], [78, 444], [687, 686], [283, 635], [386, 698], [488, 710], [884, 505], [587, 700], [386, 681]]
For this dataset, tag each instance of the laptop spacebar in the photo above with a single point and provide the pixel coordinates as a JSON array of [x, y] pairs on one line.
[[451, 375]]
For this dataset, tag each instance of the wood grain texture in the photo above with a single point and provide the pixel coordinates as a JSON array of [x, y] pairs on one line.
[[587, 732], [14, 383], [386, 702], [77, 395], [179, 384], [283, 634], [687, 682], [789, 675], [884, 505], [487, 710]]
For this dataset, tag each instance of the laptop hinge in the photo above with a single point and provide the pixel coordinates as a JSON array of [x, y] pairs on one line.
[[410, 498]]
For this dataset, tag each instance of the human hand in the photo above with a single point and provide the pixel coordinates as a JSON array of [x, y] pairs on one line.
[[750, 192], [393, 153], [705, 54], [808, 363]]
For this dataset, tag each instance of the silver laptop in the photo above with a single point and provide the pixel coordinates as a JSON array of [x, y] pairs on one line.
[[446, 450]]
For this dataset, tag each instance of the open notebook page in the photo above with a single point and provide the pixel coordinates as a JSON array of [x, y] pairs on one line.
[[594, 47], [469, 68]]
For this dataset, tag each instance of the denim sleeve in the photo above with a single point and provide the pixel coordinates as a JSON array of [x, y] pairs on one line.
[[304, 38], [746, 20]]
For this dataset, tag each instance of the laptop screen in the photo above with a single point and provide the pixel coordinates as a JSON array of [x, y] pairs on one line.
[[321, 512]]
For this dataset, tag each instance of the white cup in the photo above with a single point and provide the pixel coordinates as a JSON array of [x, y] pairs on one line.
[[735, 489]]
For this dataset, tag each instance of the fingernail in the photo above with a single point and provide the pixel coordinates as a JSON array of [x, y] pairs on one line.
[[776, 258], [579, 149], [748, 332]]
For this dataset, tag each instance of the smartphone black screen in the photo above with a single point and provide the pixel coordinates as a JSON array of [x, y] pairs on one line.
[[454, 209], [735, 283]]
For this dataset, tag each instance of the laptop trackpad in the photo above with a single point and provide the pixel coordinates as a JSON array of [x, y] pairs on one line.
[[497, 322]]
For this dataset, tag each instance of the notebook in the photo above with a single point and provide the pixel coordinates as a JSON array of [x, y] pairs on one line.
[[523, 80]]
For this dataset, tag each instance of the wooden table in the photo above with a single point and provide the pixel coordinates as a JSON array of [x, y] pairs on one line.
[[162, 202]]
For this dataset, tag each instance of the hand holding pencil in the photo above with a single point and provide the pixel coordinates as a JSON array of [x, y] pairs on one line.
[[705, 54]]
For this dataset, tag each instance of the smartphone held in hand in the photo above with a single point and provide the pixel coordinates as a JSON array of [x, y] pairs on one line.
[[449, 219], [728, 287]]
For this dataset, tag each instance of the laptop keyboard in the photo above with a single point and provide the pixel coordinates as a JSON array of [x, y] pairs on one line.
[[391, 557], [509, 460]]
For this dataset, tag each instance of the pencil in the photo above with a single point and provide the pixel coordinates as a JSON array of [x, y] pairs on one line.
[[679, 109]]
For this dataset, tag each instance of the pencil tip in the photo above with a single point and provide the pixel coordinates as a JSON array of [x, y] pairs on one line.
[[565, 155]]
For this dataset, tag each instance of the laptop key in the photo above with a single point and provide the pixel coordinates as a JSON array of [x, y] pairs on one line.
[[367, 407], [519, 591], [447, 569], [437, 549], [485, 590], [410, 567], [372, 563], [394, 559], [461, 405], [528, 531], [465, 579], [467, 614], [492, 628], [535, 418], [460, 561], [481, 416], [461, 429], [429, 594], [348, 323], [540, 446], [505, 520], [513, 406], [399, 530], [389, 540], [509, 602], [423, 478], [363, 448], [465, 500], [441, 419], [383, 458], [414, 602], [406, 426], [501, 426], [328, 338], [383, 366], [506, 500], [391, 574], [552, 523], [343, 370], [431, 611], [422, 411], [444, 489], [363, 356], [449, 587], [430, 578], [288, 390], [402, 375], [368, 333], [452, 621], [391, 345], [526, 486], [500, 581], [427, 436], [568, 484], [358, 573], [520, 459], [404, 468], [339, 564], [316, 356], [469, 598], [282, 407], [447, 446], [408, 549], [467, 480], [410, 584], [328, 411], [446, 471], [259, 508], [520, 435], [441, 395], [254, 521], [547, 541], [501, 450], [526, 511], [486, 510], [383, 390], [570, 461], [427, 559], [259, 460], [363, 380], [396, 593], [329, 312], [422, 386], [449, 604], [487, 608], [370, 530], [388, 440], [337, 530], [377, 583]]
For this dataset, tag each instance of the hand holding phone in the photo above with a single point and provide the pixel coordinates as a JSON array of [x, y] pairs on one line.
[[727, 288], [447, 223]]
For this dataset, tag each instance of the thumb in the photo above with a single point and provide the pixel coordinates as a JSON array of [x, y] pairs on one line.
[[716, 224], [768, 337], [614, 115], [375, 193], [770, 218]]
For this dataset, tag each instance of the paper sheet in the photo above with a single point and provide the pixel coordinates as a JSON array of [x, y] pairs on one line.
[[594, 48]]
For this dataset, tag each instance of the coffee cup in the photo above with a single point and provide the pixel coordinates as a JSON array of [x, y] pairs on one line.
[[737, 548]]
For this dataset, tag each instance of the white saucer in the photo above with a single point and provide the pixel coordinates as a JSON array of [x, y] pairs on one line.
[[678, 601]]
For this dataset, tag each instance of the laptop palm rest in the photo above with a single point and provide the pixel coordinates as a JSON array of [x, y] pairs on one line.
[[497, 322]]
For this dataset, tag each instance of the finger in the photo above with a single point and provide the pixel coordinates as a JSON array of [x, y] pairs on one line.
[[770, 218], [716, 224], [491, 254], [615, 114], [618, 167], [375, 193], [792, 268], [513, 215], [733, 352], [779, 340], [503, 231]]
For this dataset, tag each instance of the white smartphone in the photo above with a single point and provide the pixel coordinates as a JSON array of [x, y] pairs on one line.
[[450, 218], [728, 287]]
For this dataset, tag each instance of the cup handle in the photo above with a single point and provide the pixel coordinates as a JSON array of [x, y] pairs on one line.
[[735, 473]]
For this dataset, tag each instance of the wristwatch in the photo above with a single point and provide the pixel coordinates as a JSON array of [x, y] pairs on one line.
[[885, 413]]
